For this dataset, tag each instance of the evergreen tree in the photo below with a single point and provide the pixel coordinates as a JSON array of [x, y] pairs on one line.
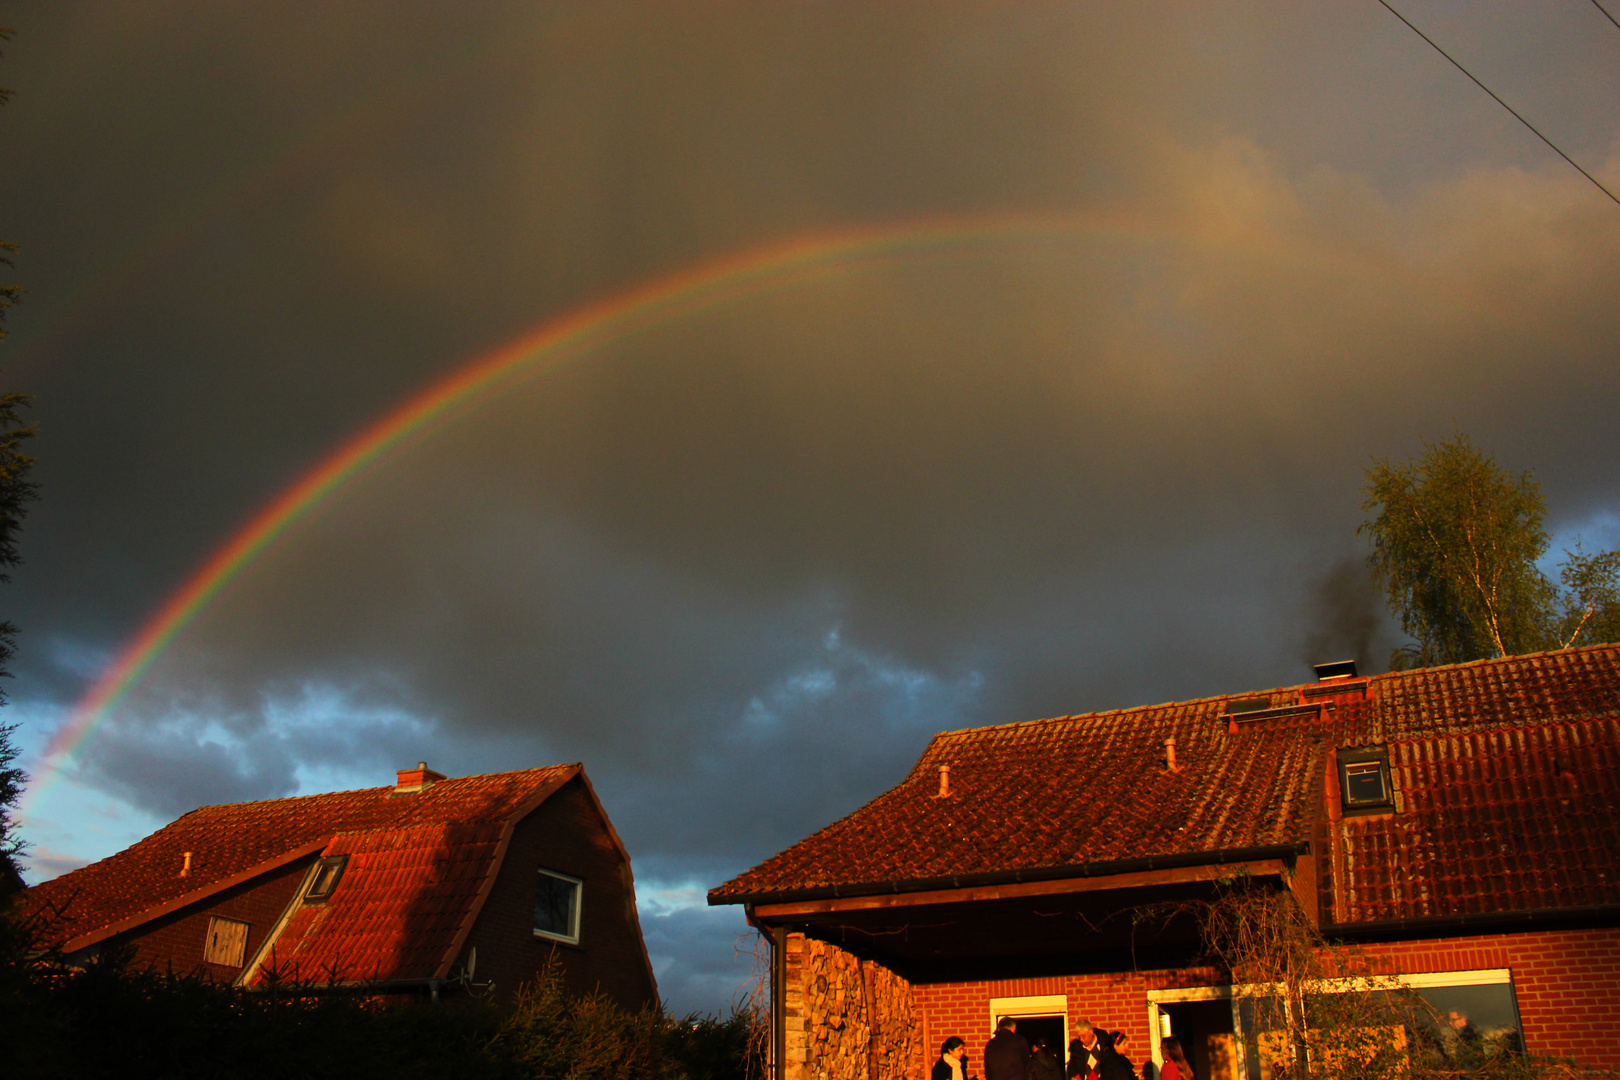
[[17, 490]]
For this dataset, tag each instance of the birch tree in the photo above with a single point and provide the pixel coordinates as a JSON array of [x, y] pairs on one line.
[[1456, 539]]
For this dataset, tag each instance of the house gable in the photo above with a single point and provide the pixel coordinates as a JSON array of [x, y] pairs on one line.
[[568, 834]]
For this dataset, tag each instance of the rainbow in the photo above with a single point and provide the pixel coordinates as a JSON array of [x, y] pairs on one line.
[[640, 309]]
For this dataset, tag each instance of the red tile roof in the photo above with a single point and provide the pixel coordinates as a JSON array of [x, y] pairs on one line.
[[1504, 819], [415, 877], [1486, 820]]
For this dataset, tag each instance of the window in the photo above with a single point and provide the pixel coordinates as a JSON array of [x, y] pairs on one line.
[[1473, 1016], [324, 879], [1364, 778], [556, 907], [227, 942], [1044, 1017]]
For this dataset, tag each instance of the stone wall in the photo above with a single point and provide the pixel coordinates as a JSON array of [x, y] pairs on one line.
[[846, 1018]]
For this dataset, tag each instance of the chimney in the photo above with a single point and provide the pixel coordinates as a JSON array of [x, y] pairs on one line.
[[1170, 755], [1339, 669], [418, 779], [944, 782], [185, 865]]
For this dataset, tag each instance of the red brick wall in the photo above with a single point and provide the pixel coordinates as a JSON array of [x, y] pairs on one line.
[[1111, 1002], [1567, 983], [175, 941], [567, 834]]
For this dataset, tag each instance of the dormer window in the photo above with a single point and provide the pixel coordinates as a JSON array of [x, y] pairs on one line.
[[1364, 782], [325, 879]]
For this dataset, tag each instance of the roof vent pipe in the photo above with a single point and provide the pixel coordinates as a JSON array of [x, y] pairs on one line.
[[1170, 755], [944, 782], [185, 865]]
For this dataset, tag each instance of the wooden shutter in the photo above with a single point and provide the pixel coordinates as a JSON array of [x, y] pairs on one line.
[[227, 942]]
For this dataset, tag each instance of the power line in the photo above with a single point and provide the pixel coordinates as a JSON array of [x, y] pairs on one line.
[[1504, 104], [1606, 14]]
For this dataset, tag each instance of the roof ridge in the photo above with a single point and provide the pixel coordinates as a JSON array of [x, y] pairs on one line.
[[366, 790], [1490, 660], [1215, 698]]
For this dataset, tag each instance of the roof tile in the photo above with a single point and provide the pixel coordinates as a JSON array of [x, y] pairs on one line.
[[1508, 775], [416, 863]]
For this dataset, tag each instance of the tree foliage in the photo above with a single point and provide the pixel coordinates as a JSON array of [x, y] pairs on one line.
[[1456, 540], [113, 1018], [1313, 1009], [17, 490]]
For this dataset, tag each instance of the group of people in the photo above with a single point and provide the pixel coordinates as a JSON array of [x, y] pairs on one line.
[[1093, 1055]]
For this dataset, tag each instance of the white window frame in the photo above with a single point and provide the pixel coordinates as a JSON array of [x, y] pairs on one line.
[[1043, 1005], [1235, 994], [1198, 993], [579, 907]]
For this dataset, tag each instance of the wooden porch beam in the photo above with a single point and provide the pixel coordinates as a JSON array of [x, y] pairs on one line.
[[1014, 890]]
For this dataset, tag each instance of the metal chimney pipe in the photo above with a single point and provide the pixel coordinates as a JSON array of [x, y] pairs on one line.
[[1170, 755], [185, 867], [944, 782]]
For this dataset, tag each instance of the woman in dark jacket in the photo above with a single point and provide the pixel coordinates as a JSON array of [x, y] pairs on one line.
[[1043, 1064], [952, 1063]]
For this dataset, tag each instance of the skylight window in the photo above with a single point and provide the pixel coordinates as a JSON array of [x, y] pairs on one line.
[[556, 906], [325, 879], [1364, 781]]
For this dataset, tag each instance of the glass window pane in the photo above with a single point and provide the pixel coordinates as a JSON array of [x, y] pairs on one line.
[[1469, 1023], [554, 903], [1364, 782]]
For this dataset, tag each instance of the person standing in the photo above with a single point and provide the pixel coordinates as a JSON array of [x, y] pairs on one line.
[[1043, 1064], [1006, 1055], [1175, 1061], [952, 1063], [1095, 1055]]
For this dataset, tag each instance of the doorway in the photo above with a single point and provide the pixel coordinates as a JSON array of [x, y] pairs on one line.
[[1049, 1028], [1045, 1017], [1204, 1029]]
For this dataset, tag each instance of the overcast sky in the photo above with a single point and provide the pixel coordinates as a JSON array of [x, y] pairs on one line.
[[745, 562]]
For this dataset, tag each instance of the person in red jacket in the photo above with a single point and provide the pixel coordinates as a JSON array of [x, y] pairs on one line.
[[1175, 1061]]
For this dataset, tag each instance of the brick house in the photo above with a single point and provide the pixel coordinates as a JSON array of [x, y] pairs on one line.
[[1458, 825], [432, 886]]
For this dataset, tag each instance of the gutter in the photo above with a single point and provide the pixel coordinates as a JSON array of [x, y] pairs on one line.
[[1009, 877], [1530, 919]]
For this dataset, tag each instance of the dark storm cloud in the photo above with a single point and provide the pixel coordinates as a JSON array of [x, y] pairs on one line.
[[744, 564], [703, 964]]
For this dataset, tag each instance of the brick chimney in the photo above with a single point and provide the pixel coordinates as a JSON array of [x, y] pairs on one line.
[[418, 779]]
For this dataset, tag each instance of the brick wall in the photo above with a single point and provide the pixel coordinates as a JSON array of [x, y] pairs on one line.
[[1112, 1002], [175, 941], [846, 1018], [567, 834], [1567, 983]]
